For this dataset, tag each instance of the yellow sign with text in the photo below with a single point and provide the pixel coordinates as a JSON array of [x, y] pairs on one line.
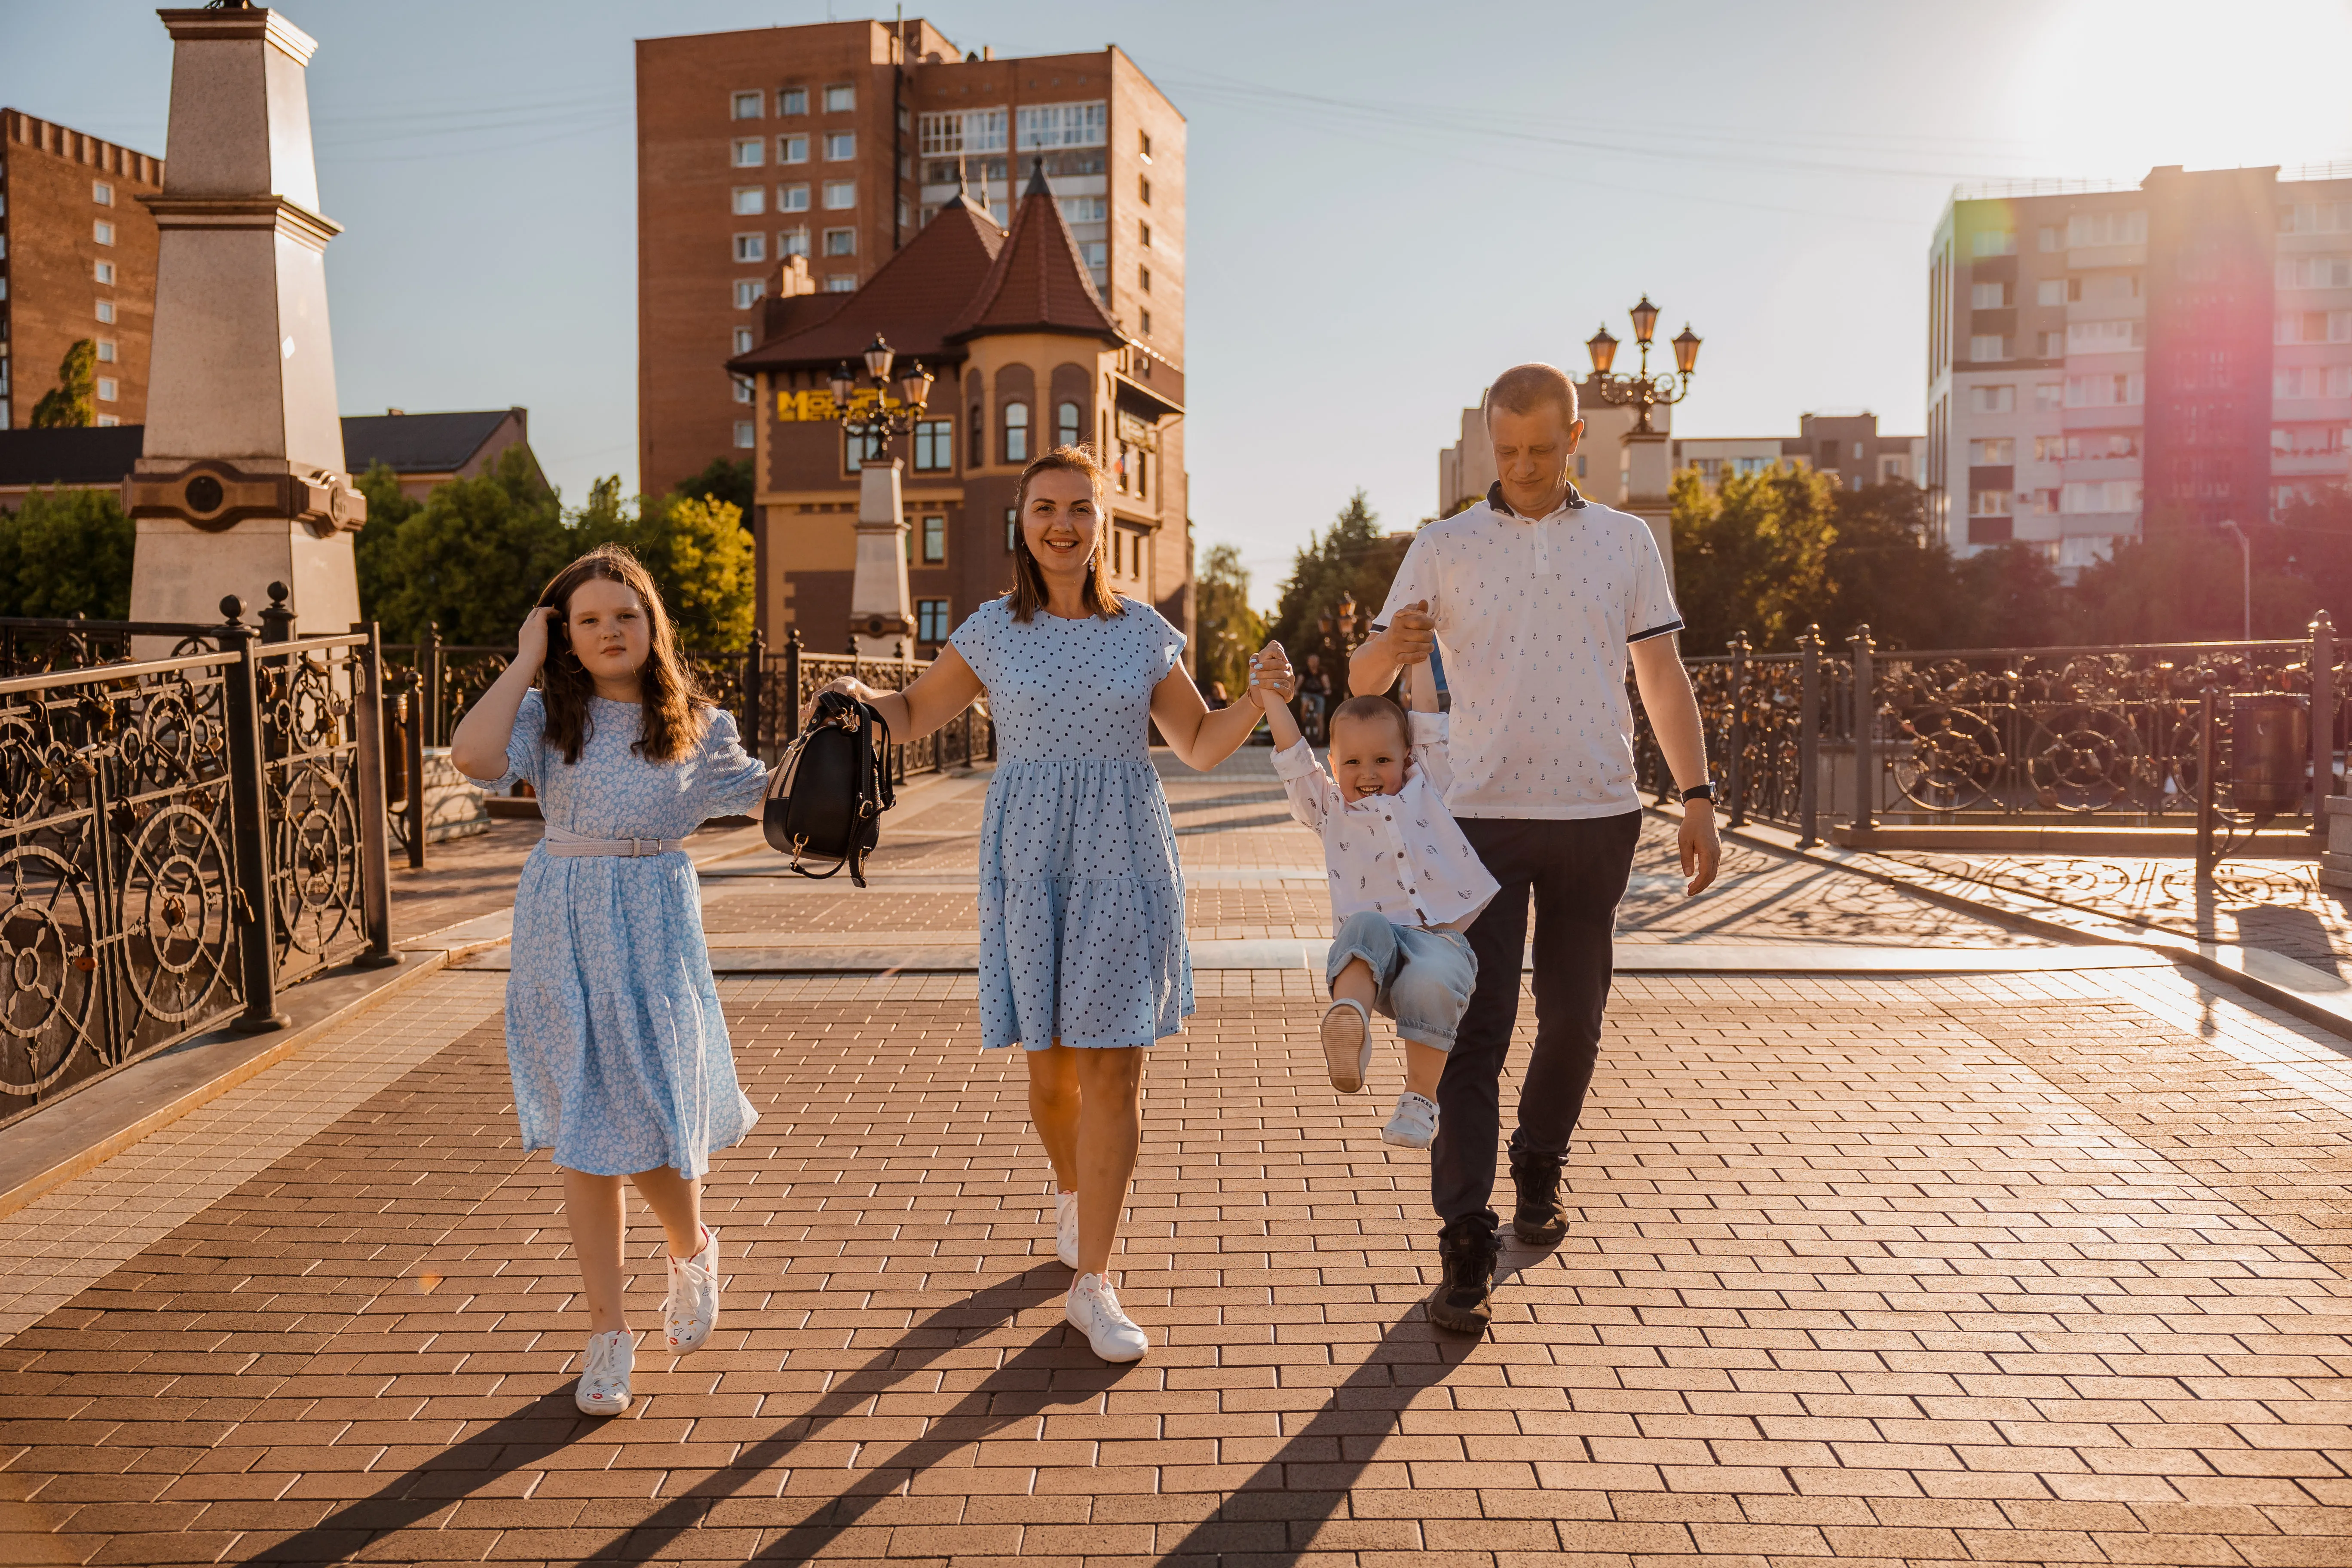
[[818, 405]]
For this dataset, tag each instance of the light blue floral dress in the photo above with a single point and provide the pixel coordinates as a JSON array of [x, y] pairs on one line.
[[620, 1055], [1081, 897]]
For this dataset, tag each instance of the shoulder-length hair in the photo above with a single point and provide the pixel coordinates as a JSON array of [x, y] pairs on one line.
[[676, 709], [1028, 595]]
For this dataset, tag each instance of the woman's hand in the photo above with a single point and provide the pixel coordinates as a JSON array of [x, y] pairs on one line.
[[531, 643], [847, 685], [1271, 678]]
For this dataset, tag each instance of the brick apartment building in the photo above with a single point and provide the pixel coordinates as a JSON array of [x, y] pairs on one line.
[[77, 261], [2100, 361], [835, 144], [1027, 356], [1848, 447]]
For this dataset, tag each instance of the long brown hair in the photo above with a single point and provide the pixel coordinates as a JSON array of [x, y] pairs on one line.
[[1028, 595], [676, 712]]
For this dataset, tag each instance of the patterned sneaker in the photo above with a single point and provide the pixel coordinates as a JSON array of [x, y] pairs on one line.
[[1093, 1310], [1348, 1045], [1414, 1125], [1065, 1228], [692, 1310], [604, 1386]]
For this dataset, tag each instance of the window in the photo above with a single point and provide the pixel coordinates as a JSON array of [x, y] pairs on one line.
[[751, 248], [2314, 272], [792, 242], [1143, 280], [745, 105], [106, 421], [1143, 189], [750, 152], [749, 292], [1016, 432], [840, 195], [1989, 296], [1995, 451], [792, 148], [2107, 228], [743, 344], [930, 617], [934, 446], [2052, 345], [906, 218], [751, 200], [2045, 503], [1143, 145], [744, 437], [1993, 242], [1087, 209], [2292, 381], [935, 541], [841, 242], [103, 232], [103, 272], [2050, 290], [106, 310], [840, 100], [1048, 125], [1988, 503], [855, 449], [2316, 217], [792, 101], [841, 283], [743, 388], [2106, 391], [840, 146], [1097, 258], [961, 131], [2101, 496], [2106, 337], [1143, 234], [2052, 238], [2314, 327], [1992, 346], [971, 448], [791, 198], [2049, 395], [101, 193], [1146, 317], [1065, 424], [1992, 399], [105, 351], [2306, 440], [108, 388]]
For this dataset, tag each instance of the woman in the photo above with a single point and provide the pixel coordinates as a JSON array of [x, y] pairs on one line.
[[1081, 901]]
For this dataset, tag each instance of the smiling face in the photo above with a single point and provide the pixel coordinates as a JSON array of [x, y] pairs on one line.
[[1060, 525], [1368, 756], [609, 633]]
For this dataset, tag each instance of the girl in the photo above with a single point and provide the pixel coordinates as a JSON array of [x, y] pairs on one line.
[[620, 1058], [1081, 899]]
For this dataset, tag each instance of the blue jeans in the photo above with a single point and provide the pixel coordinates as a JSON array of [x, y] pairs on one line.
[[1421, 978]]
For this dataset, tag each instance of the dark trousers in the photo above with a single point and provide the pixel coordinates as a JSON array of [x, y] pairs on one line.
[[1576, 872]]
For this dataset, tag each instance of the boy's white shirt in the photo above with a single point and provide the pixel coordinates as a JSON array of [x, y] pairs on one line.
[[1400, 856]]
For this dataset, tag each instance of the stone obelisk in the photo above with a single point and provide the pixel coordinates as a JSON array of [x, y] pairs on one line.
[[880, 623], [241, 481]]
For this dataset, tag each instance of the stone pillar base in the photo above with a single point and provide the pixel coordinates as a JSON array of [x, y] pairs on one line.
[[2335, 854]]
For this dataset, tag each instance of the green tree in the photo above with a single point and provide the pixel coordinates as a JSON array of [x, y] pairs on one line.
[[1351, 559], [1752, 555], [388, 507], [701, 560], [723, 481], [1884, 572], [473, 557], [2010, 596], [1229, 630], [66, 552], [73, 402]]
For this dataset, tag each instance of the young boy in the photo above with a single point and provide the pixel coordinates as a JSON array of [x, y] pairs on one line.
[[1404, 882]]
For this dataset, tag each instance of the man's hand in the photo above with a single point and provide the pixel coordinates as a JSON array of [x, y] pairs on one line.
[[1412, 636], [1702, 848]]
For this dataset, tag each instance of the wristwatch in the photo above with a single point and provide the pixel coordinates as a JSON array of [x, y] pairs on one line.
[[1699, 792]]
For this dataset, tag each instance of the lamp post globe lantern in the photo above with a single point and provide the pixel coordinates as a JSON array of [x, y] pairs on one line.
[[842, 383], [1686, 350], [1645, 320], [914, 384], [879, 358], [1641, 391], [1603, 347]]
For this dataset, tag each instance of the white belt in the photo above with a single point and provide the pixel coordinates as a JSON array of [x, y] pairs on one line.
[[564, 842]]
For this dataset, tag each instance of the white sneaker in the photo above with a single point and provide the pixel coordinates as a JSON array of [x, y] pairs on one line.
[[1065, 1228], [1093, 1310], [1348, 1045], [604, 1386], [1414, 1125], [692, 1311]]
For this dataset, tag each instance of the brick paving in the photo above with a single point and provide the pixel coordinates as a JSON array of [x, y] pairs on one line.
[[2030, 1267]]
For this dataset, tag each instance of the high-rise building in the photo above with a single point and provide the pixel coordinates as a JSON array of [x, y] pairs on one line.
[[835, 144], [77, 261], [2105, 361]]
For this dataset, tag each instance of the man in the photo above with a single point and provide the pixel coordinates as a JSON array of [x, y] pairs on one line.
[[1537, 596]]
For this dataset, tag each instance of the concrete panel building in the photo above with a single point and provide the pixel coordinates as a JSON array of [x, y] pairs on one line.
[[1847, 447], [2103, 361], [77, 261]]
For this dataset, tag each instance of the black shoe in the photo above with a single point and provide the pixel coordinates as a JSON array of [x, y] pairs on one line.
[[1541, 1217], [1463, 1301]]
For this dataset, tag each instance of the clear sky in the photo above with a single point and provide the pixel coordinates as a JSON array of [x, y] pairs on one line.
[[1388, 201]]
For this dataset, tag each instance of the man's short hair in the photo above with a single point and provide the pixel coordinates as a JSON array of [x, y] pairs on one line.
[[1524, 388], [1375, 710]]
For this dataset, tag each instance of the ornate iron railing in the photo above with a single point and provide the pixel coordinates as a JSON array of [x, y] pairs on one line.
[[2033, 738], [180, 837]]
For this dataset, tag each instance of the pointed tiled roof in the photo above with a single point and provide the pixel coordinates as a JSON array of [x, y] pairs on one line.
[[1040, 283], [911, 300]]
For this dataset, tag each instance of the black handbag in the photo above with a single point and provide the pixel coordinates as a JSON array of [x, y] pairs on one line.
[[827, 796]]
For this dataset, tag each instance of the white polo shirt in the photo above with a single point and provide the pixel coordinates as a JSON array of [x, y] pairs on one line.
[[1534, 616]]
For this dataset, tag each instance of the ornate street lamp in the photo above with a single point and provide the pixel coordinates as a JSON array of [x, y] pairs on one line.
[[1642, 390], [883, 418]]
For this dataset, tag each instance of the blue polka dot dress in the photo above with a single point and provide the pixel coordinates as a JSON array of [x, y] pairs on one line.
[[1081, 897], [618, 1050]]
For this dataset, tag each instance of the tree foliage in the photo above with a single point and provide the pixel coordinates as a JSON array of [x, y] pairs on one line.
[[1227, 630], [66, 552], [1351, 559], [72, 403], [1752, 555], [723, 480], [700, 558]]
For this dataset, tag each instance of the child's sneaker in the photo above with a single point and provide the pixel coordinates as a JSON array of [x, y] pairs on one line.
[[1065, 1228], [1348, 1045], [604, 1385], [692, 1310], [1414, 1125]]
